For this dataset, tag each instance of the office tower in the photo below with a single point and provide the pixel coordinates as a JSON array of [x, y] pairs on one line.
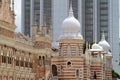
[[30, 14], [114, 33], [95, 13], [101, 13], [33, 11], [26, 16]]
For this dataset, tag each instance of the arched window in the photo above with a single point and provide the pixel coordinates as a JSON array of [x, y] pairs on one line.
[[39, 61], [68, 64], [3, 59], [31, 64], [54, 70], [26, 64], [9, 60], [43, 61], [95, 75], [22, 63], [17, 61], [77, 73]]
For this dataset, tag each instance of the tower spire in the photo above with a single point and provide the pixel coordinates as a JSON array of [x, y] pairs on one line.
[[71, 10]]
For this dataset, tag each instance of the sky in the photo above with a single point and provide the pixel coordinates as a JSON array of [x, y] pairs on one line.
[[18, 16]]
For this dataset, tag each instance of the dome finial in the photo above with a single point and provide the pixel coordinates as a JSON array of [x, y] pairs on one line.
[[103, 36], [71, 10], [104, 44]]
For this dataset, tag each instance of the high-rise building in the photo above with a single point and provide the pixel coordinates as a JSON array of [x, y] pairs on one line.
[[95, 13], [114, 33], [33, 11], [91, 13], [26, 17]]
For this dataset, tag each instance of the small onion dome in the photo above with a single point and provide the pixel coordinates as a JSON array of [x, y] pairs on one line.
[[104, 44], [96, 47], [71, 24]]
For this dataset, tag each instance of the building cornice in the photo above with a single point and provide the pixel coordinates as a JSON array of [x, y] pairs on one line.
[[20, 46]]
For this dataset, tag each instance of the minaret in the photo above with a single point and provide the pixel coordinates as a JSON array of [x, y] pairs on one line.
[[7, 19], [104, 44], [107, 57], [97, 58], [70, 59]]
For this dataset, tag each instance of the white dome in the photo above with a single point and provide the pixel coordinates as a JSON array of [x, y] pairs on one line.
[[97, 47], [71, 36], [104, 44], [71, 24]]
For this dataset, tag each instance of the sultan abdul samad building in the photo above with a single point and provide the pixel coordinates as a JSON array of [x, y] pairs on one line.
[[24, 58]]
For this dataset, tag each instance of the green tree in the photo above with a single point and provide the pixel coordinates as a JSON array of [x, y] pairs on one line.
[[115, 75]]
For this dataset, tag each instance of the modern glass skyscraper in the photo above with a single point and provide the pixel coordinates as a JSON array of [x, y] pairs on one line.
[[26, 16], [95, 13], [102, 14], [34, 11]]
